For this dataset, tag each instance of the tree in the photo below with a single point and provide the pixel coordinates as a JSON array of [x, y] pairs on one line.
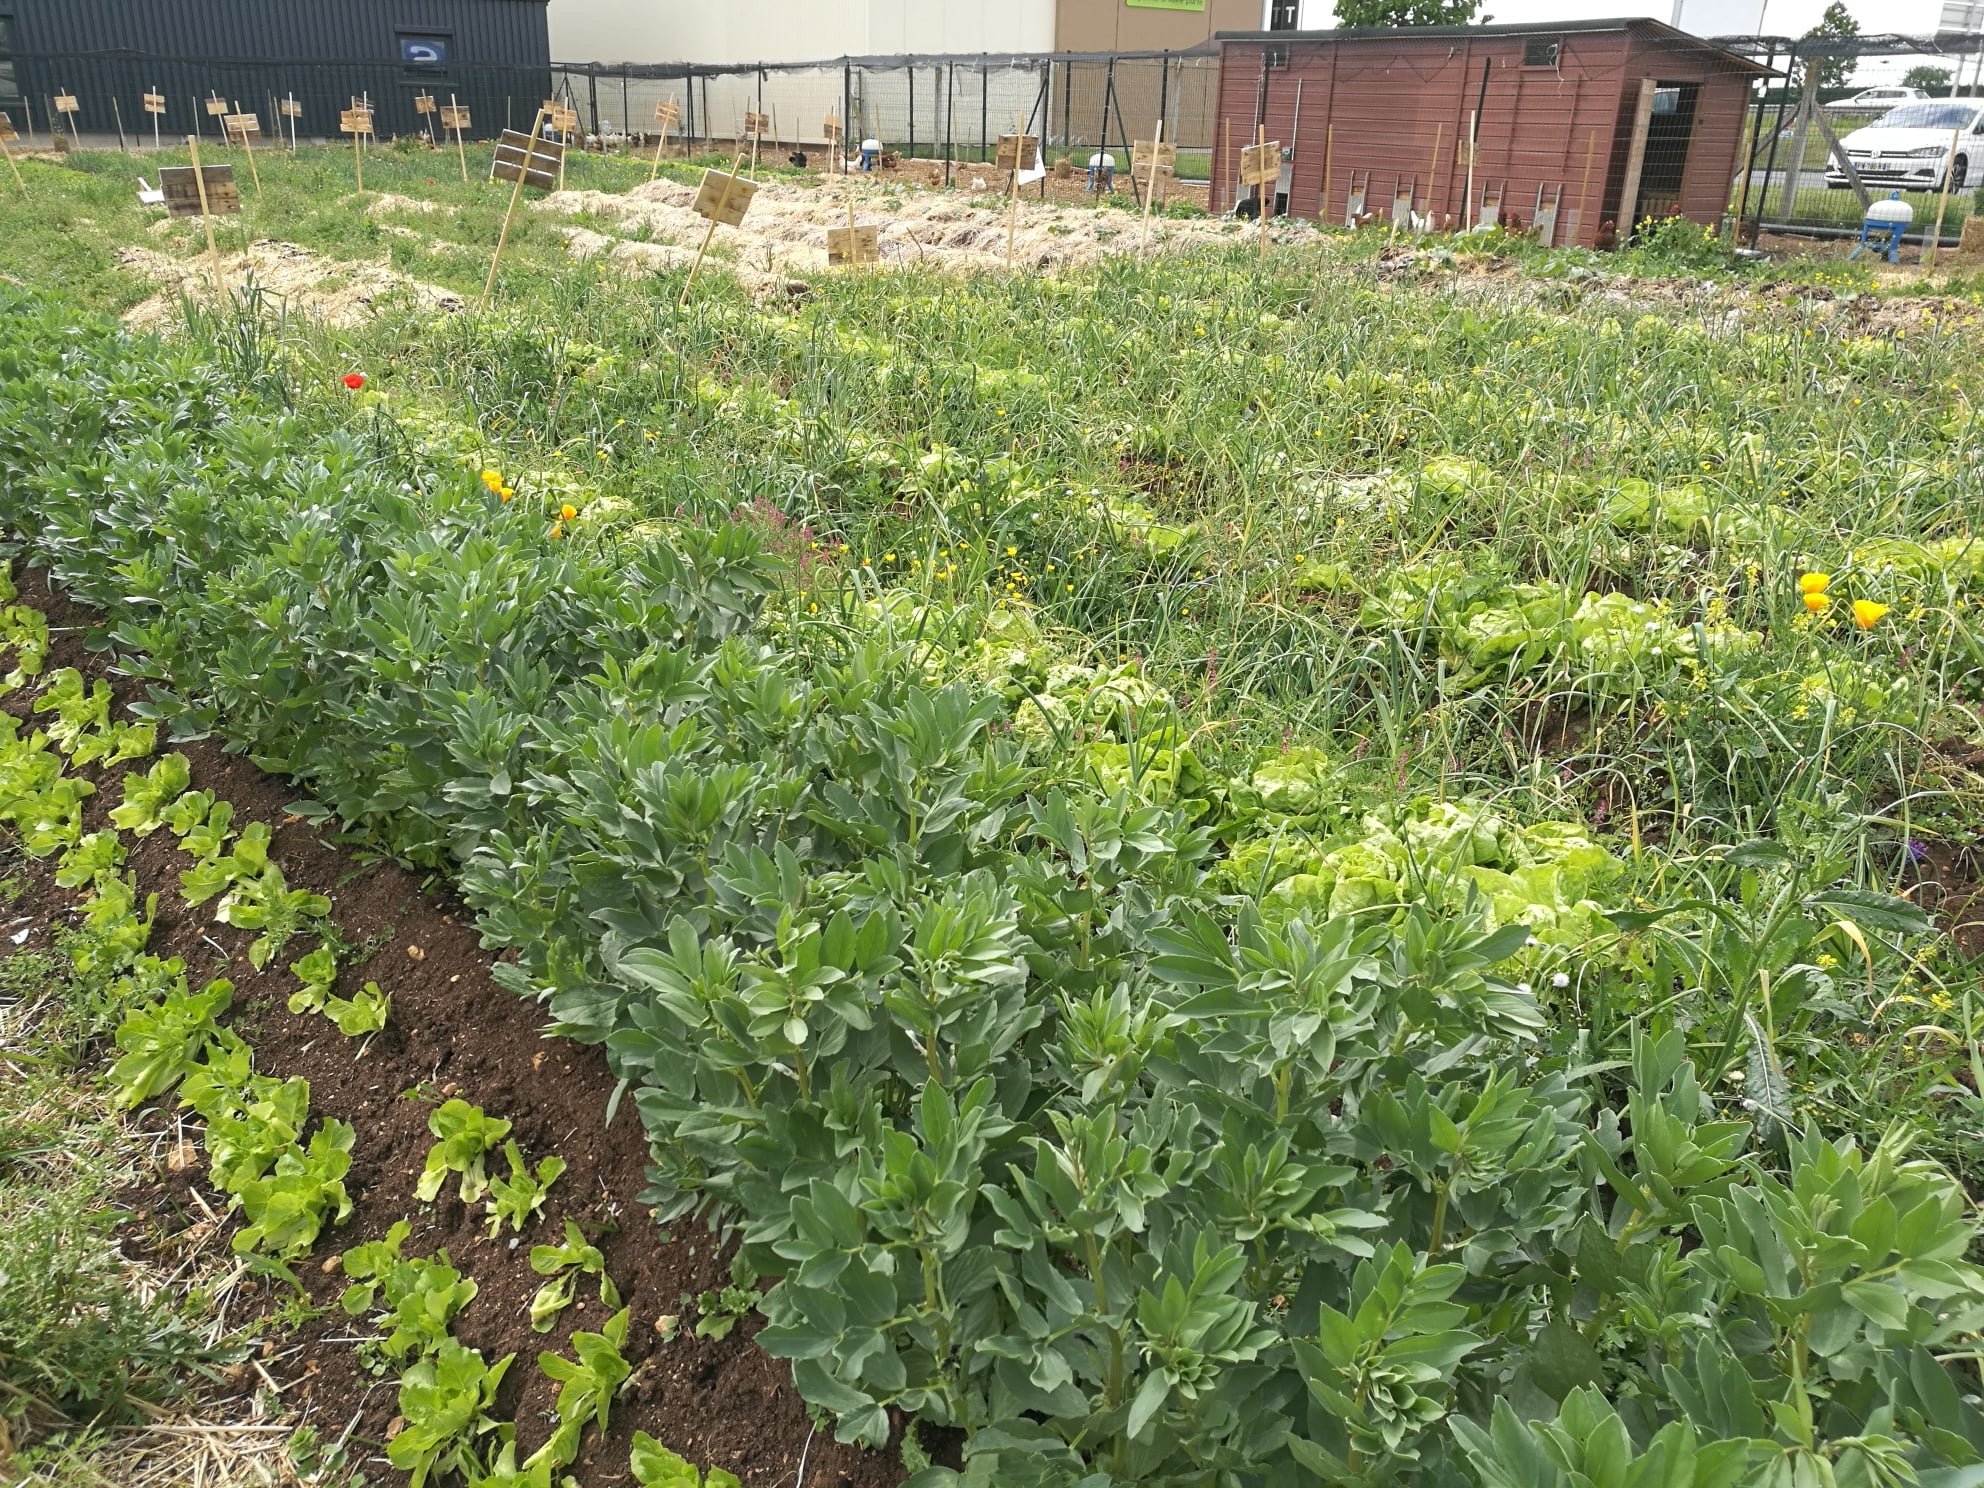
[[1837, 22], [1406, 12], [1929, 79]]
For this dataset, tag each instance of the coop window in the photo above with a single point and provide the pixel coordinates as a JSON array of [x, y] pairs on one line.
[[1541, 51], [8, 87], [424, 53], [1275, 56], [1285, 15]]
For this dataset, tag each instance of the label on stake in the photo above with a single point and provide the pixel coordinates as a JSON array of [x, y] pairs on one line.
[[182, 190], [535, 163], [455, 117], [1017, 152], [1260, 165], [154, 103], [724, 198], [853, 245]]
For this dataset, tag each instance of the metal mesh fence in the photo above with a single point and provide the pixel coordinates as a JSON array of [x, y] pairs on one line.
[[918, 107]]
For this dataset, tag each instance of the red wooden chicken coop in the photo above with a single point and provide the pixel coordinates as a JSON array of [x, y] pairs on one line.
[[1572, 128]]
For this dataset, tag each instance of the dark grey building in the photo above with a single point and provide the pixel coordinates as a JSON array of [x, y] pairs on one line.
[[492, 55]]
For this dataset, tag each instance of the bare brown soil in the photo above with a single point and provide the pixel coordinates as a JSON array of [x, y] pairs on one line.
[[453, 1031]]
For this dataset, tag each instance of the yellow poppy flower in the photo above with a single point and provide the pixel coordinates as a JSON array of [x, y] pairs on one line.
[[1815, 601], [568, 511], [1866, 612], [1815, 583]]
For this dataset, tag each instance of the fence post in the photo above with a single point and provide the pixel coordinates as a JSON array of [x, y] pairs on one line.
[[592, 101], [950, 115], [912, 111], [985, 107], [1770, 161], [850, 131]]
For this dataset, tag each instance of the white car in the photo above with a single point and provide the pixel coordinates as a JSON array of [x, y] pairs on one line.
[[1910, 146], [1869, 99]]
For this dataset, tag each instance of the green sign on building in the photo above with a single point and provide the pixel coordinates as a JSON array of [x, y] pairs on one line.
[[1167, 4]]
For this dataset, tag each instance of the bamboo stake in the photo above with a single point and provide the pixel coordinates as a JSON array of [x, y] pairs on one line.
[[516, 193], [461, 150], [697, 267], [358, 157], [1150, 186], [1226, 154], [1584, 191], [12, 166], [1942, 201], [206, 217], [1013, 217]]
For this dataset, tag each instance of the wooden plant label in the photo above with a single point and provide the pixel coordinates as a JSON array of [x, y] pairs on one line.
[[181, 185], [8, 134], [830, 127], [724, 197], [564, 120], [1154, 152], [216, 107], [243, 126], [65, 103], [423, 103], [289, 108], [154, 103], [534, 162], [454, 117], [667, 114], [1018, 152], [355, 121], [853, 245], [1260, 165], [757, 126]]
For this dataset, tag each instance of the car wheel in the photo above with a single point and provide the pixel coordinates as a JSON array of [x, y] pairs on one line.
[[1959, 171]]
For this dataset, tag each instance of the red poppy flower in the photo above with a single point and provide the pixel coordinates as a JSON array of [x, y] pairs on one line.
[[354, 380]]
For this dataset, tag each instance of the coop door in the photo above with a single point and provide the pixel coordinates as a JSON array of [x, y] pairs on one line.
[[1670, 128]]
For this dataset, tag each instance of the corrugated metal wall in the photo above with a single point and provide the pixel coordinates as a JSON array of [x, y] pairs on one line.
[[255, 51], [1397, 107]]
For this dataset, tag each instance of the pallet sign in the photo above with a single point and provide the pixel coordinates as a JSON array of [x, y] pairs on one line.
[[208, 191], [65, 103], [666, 114], [564, 120], [1151, 161], [831, 130], [247, 128], [1017, 152], [723, 198], [523, 160], [1260, 165], [853, 245], [423, 103], [455, 116], [154, 103], [356, 122], [528, 159], [756, 125]]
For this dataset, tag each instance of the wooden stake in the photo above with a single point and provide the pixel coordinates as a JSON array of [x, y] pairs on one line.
[[1942, 201], [1150, 186], [1266, 191], [253, 174], [1433, 170], [1584, 191], [1467, 206], [461, 150], [516, 193], [660, 145], [1226, 154], [358, 157], [200, 183], [697, 267], [1329, 164], [14, 168], [1013, 217]]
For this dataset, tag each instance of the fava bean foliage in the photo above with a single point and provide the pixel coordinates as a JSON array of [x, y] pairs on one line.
[[1223, 875]]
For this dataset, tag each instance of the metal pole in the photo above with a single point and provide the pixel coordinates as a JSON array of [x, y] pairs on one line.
[[1770, 162], [950, 116], [1067, 101], [1756, 144], [849, 130], [912, 110], [1164, 88], [985, 108], [115, 108], [1108, 97]]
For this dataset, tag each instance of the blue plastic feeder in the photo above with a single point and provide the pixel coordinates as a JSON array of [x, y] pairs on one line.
[[1885, 222]]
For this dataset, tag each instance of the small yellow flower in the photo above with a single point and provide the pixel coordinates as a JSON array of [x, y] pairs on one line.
[[1866, 612], [568, 512], [1012, 552], [1815, 583], [888, 557], [1815, 601], [506, 492], [492, 479], [557, 529]]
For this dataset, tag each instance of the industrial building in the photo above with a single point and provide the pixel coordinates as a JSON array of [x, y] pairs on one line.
[[492, 55], [1590, 122]]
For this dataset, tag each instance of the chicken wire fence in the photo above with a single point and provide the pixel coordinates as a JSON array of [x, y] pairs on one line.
[[935, 108], [1815, 158]]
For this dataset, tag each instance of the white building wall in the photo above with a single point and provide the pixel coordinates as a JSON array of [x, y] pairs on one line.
[[723, 31]]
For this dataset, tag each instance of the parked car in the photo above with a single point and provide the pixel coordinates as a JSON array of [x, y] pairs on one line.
[[1869, 99], [1909, 146]]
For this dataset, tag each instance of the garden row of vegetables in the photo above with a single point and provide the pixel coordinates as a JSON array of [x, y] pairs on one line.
[[1135, 1122], [287, 1191]]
